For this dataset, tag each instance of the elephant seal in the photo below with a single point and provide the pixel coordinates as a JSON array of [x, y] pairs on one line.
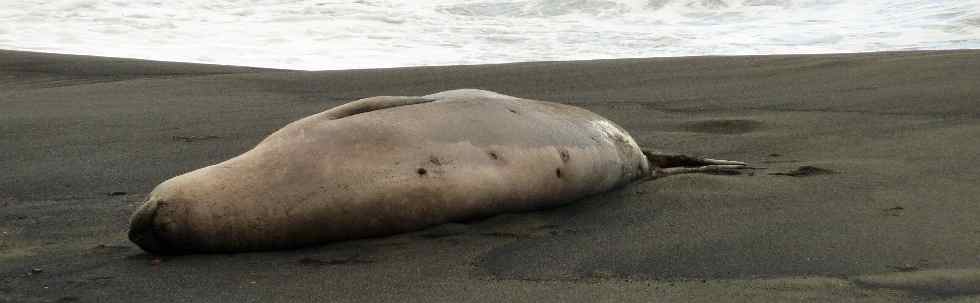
[[385, 165]]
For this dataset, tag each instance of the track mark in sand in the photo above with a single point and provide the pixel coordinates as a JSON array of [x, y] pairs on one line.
[[504, 234], [948, 282], [353, 260], [540, 231], [893, 211], [445, 230], [805, 171], [723, 126], [194, 138], [779, 161], [109, 249]]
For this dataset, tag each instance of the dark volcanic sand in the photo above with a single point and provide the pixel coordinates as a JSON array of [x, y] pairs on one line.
[[885, 209]]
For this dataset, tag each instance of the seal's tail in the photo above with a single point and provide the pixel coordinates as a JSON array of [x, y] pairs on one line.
[[664, 164]]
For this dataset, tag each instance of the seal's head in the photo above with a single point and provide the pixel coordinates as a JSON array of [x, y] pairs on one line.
[[157, 229], [170, 220], [144, 232]]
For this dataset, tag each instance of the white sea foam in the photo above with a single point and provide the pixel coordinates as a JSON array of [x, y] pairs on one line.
[[330, 34]]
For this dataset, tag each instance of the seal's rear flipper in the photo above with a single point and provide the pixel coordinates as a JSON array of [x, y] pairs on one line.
[[372, 104], [663, 164]]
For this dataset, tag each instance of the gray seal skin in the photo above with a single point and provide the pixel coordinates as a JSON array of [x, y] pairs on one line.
[[386, 165]]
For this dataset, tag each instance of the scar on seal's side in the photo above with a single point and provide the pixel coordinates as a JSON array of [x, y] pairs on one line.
[[386, 165]]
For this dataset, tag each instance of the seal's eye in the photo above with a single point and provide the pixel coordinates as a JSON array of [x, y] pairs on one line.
[[421, 171]]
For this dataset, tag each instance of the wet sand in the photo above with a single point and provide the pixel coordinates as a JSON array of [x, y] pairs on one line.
[[891, 216]]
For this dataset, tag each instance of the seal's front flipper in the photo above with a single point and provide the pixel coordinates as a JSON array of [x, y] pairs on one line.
[[663, 164], [372, 104]]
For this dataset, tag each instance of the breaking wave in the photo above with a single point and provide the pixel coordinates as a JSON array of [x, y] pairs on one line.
[[316, 35]]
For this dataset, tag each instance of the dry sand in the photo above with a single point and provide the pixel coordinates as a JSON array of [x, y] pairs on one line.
[[84, 139]]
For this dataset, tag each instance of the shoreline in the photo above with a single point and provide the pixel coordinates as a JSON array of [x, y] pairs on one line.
[[92, 59]]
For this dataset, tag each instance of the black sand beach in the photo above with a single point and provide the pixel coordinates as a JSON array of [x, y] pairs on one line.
[[892, 216]]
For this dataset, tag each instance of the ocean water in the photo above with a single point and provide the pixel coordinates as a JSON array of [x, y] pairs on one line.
[[327, 34]]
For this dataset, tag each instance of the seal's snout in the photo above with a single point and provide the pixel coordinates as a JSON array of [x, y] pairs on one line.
[[143, 229]]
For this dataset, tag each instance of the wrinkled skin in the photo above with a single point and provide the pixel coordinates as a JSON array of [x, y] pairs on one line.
[[386, 165]]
